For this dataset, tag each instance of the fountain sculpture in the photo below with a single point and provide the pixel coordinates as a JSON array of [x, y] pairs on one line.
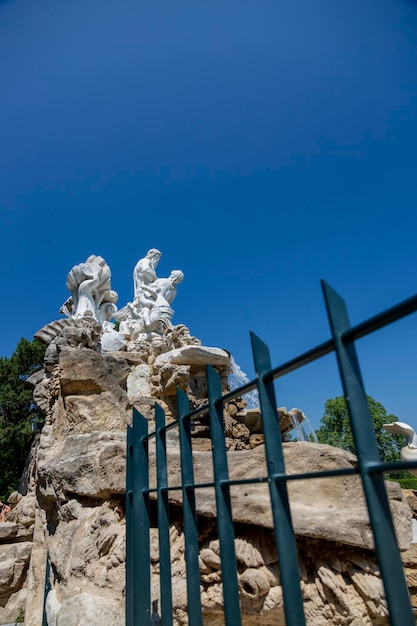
[[73, 506], [92, 305]]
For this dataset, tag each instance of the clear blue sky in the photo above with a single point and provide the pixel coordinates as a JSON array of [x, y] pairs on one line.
[[260, 145]]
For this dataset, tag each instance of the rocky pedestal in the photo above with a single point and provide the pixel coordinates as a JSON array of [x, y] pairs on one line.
[[74, 506], [16, 548]]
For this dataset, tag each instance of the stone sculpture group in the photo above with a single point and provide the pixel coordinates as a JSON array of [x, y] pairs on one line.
[[92, 305], [151, 309]]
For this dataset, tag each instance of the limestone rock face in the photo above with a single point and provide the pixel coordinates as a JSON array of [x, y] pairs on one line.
[[92, 393], [14, 563], [74, 505], [340, 584], [10, 532], [16, 535], [409, 557], [333, 508], [89, 610], [91, 466], [15, 558]]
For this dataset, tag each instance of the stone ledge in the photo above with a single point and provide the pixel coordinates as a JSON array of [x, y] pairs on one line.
[[10, 532], [194, 355]]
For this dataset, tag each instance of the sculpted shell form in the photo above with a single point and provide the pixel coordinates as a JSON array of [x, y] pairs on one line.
[[50, 331]]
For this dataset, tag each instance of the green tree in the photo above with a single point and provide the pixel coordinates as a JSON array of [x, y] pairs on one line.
[[335, 428], [16, 411]]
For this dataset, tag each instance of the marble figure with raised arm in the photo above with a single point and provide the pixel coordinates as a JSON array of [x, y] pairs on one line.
[[150, 311], [91, 294]]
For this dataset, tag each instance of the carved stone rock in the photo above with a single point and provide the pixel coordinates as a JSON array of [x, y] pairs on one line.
[[333, 508], [90, 465], [14, 562], [74, 502], [194, 355]]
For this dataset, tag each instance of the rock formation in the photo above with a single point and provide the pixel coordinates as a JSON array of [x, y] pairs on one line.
[[73, 504]]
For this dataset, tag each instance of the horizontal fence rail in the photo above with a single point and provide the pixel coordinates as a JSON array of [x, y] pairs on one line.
[[370, 469]]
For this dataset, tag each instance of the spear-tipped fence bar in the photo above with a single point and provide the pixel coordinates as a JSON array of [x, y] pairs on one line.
[[370, 469], [47, 589]]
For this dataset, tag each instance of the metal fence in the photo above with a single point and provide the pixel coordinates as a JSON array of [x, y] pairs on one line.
[[47, 589], [370, 469]]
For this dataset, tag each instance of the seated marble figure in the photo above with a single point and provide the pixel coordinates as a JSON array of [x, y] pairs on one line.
[[150, 311]]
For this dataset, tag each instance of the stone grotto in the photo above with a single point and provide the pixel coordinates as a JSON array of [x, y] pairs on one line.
[[102, 361]]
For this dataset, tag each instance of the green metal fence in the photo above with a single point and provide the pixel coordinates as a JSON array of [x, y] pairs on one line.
[[47, 589], [370, 469]]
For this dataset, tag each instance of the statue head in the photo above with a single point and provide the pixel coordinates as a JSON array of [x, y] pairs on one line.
[[93, 258], [176, 277], [154, 254]]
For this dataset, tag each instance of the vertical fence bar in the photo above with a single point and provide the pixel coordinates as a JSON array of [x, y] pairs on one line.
[[373, 483], [129, 525], [47, 589], [189, 512], [224, 509], [163, 518], [140, 524], [284, 533]]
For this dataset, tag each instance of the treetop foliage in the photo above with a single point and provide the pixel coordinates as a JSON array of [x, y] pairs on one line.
[[335, 430], [16, 411]]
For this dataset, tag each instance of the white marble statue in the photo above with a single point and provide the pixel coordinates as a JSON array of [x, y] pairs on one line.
[[150, 311], [409, 450], [91, 293], [166, 290], [153, 304], [145, 271]]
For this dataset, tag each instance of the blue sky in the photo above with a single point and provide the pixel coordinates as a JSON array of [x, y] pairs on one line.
[[261, 146]]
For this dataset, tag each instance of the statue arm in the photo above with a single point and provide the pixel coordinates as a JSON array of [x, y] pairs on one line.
[[152, 292]]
